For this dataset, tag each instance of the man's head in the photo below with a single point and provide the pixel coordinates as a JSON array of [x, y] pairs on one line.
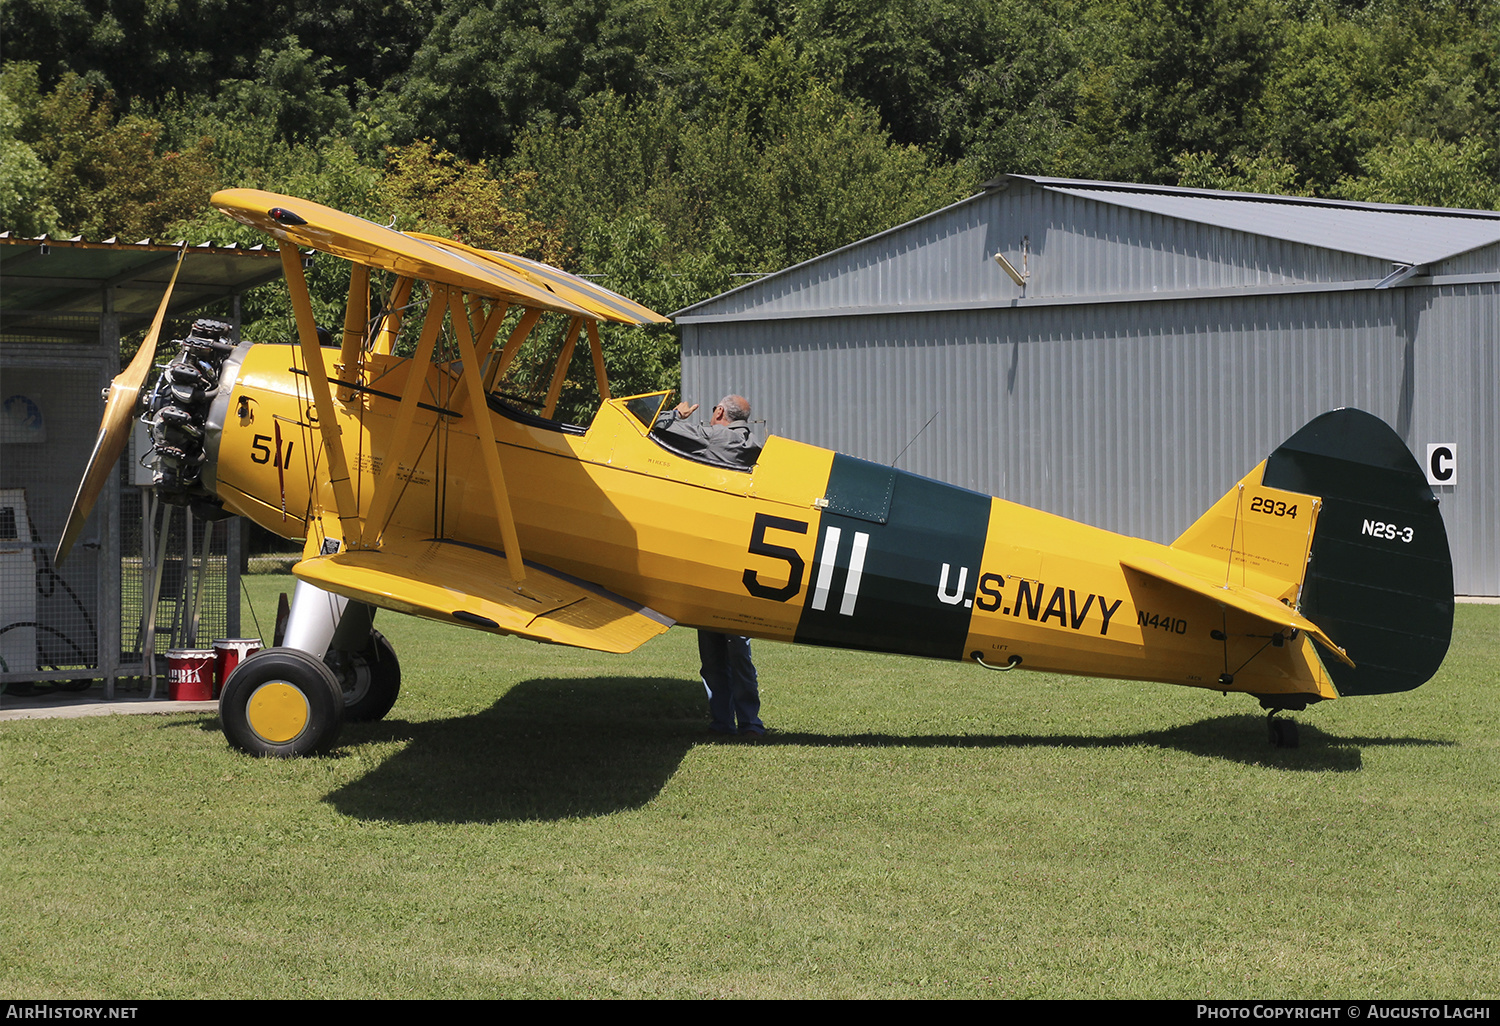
[[730, 409]]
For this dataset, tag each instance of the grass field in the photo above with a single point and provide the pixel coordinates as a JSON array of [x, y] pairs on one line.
[[539, 822]]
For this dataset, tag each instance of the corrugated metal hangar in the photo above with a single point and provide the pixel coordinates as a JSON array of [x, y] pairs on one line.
[[1122, 354]]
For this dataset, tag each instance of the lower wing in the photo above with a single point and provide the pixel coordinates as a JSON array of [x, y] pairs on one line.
[[471, 586]]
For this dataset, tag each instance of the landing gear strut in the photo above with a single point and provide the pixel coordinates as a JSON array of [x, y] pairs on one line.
[[364, 663]]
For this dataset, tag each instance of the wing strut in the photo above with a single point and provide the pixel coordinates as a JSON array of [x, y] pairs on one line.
[[512, 346], [486, 432], [390, 481], [485, 338], [356, 320], [390, 321], [317, 375], [600, 375], [560, 372]]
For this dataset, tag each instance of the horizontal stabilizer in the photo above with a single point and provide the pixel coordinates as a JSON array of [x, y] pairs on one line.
[[472, 587], [1252, 603]]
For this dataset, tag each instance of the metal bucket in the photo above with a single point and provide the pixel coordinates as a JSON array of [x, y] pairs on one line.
[[190, 674], [229, 653]]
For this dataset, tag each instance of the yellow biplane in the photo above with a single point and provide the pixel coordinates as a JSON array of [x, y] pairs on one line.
[[419, 487]]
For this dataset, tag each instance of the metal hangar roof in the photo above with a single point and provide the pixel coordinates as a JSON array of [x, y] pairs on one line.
[[1400, 234], [1079, 241]]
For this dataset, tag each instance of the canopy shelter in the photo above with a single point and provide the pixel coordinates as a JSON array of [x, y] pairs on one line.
[[68, 289], [65, 305]]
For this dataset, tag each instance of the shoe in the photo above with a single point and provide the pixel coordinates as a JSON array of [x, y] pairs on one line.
[[753, 734]]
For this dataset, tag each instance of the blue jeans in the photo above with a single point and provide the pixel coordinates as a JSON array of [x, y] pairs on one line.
[[729, 679]]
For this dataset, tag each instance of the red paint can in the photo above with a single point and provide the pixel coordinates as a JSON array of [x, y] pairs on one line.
[[190, 674], [229, 653]]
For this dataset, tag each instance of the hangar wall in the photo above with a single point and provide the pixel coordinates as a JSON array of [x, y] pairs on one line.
[[1126, 410]]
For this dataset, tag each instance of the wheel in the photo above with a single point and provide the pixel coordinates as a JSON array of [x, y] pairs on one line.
[[1283, 733], [282, 702], [370, 679]]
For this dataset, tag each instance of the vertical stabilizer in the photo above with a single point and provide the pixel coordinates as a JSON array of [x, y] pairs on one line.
[[1260, 535]]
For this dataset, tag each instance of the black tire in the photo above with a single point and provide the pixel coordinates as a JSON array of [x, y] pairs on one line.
[[1283, 734], [260, 711], [370, 679]]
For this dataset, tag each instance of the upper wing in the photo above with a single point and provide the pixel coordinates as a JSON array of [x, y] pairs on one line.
[[598, 300], [305, 223], [470, 291], [470, 586]]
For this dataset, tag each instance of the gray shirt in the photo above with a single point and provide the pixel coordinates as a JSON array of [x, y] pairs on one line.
[[730, 445]]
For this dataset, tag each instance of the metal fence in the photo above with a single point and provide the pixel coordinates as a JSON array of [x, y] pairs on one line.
[[85, 621]]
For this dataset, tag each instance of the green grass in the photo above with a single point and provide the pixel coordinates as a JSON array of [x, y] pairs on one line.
[[539, 822]]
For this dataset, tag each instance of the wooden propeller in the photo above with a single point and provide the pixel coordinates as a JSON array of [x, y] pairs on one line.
[[114, 428]]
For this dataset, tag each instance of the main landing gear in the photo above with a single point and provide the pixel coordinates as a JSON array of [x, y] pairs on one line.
[[370, 678], [287, 702]]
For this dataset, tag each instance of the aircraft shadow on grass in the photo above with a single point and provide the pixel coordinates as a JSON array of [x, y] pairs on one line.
[[560, 748]]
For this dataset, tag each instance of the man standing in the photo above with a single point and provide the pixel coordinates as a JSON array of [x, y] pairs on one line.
[[728, 673]]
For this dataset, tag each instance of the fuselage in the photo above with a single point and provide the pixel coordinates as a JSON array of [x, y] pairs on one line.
[[808, 545]]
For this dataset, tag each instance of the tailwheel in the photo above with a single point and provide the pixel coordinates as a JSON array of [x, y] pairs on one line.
[[370, 679], [1283, 732], [281, 702]]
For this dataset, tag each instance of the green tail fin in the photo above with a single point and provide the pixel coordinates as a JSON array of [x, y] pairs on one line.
[[1379, 576]]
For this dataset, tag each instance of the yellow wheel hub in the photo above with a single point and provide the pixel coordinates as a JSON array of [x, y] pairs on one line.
[[277, 712]]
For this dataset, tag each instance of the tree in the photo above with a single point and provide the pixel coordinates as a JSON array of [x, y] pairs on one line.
[[467, 202], [1261, 174], [146, 51], [1428, 173], [1193, 71], [489, 67], [104, 175], [1017, 110], [24, 203], [290, 91], [774, 166]]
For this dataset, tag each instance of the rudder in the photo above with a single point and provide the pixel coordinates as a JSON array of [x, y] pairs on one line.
[[1379, 577]]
